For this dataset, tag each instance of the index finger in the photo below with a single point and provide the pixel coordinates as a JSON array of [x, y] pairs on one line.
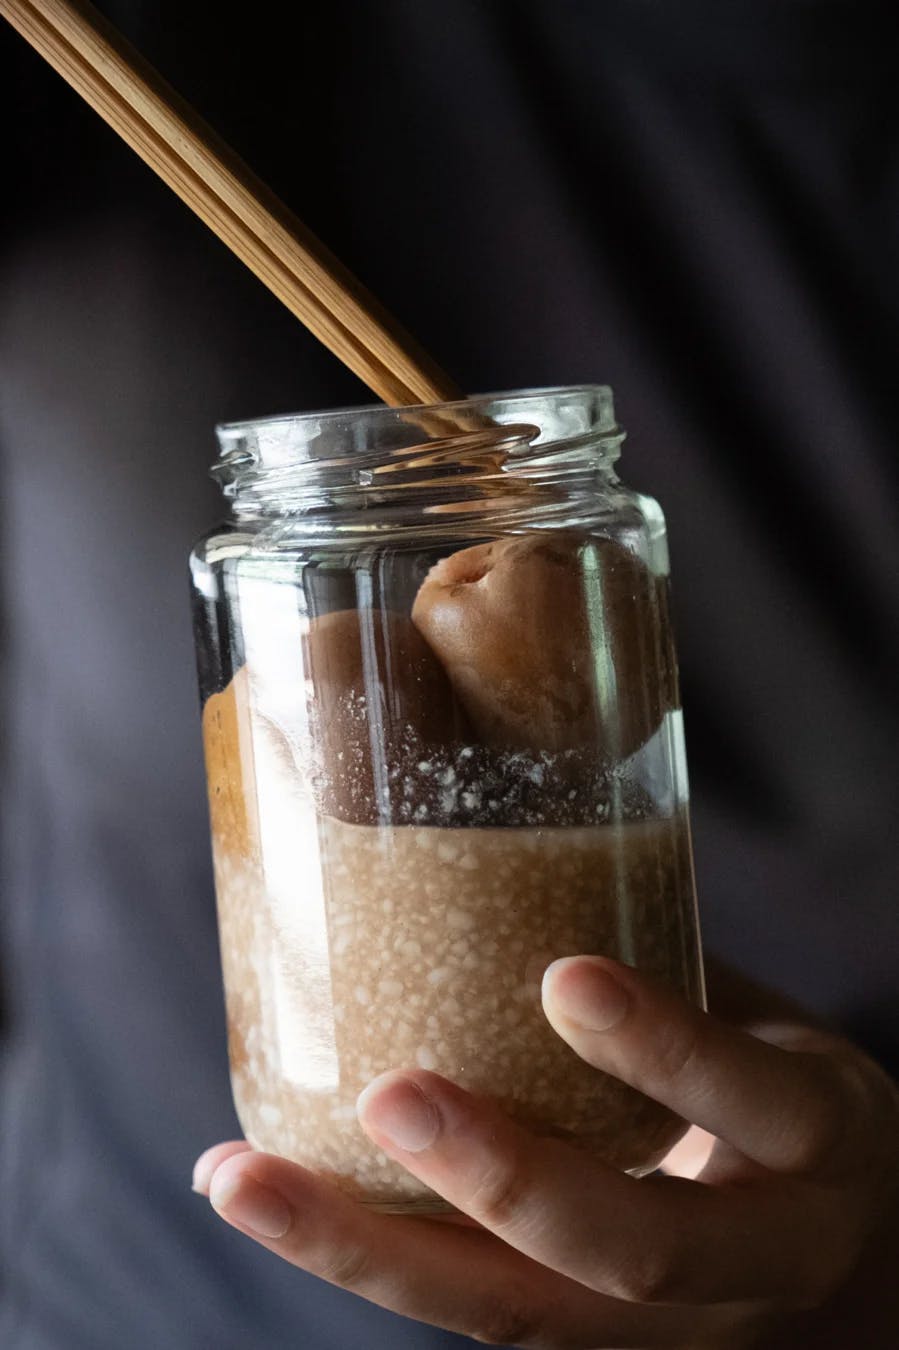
[[785, 1109]]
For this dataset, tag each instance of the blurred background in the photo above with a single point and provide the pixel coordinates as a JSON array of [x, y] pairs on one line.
[[695, 203]]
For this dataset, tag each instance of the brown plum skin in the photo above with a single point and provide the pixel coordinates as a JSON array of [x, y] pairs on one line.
[[552, 642]]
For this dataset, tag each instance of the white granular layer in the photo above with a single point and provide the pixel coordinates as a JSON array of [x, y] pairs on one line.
[[392, 947]]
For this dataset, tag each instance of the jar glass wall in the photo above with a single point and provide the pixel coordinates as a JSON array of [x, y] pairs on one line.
[[444, 747]]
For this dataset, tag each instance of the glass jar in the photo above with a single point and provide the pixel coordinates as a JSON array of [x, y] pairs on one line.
[[444, 746]]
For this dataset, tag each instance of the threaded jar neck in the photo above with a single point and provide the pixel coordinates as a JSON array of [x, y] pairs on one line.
[[496, 452]]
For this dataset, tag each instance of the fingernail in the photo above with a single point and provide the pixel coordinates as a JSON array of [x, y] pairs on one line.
[[586, 993], [243, 1201], [212, 1158], [204, 1168], [399, 1111]]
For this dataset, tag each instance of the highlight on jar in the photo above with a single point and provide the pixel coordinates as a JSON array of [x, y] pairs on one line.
[[444, 747]]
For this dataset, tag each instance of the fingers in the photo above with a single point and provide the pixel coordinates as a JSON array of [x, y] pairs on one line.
[[460, 1278], [783, 1109], [582, 1245], [652, 1241], [210, 1160]]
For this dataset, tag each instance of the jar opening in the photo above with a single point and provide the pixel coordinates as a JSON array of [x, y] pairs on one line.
[[485, 446]]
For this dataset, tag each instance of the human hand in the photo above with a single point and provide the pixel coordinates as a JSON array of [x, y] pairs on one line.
[[795, 1201]]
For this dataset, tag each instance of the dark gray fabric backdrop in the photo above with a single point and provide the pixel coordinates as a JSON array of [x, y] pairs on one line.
[[696, 203]]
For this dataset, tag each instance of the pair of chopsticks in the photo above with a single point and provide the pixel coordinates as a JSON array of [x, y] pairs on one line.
[[187, 154]]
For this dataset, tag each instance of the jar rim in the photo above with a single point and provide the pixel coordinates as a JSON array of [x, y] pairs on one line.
[[378, 413]]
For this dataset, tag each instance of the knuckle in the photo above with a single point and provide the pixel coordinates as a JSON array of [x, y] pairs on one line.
[[500, 1200], [346, 1267], [655, 1277], [815, 1151], [508, 1318], [675, 1051], [820, 1142], [870, 1103]]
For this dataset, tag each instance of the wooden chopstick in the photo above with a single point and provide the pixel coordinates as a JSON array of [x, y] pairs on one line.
[[187, 154]]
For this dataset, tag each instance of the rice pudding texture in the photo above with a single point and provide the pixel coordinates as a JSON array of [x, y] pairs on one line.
[[349, 949]]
